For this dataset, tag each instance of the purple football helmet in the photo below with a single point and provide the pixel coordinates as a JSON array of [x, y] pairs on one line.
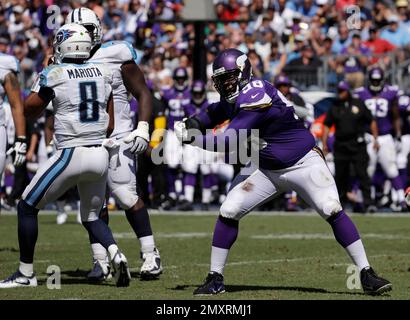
[[376, 79], [180, 77], [282, 80], [231, 72], [198, 92]]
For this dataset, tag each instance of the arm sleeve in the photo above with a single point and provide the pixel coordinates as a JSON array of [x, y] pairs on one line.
[[212, 116]]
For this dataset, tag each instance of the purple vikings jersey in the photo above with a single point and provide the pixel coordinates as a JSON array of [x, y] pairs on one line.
[[260, 106], [192, 108], [380, 105], [404, 108], [175, 101]]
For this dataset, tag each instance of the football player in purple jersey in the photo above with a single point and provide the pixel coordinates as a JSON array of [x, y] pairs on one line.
[[404, 109], [176, 98], [288, 160], [382, 100]]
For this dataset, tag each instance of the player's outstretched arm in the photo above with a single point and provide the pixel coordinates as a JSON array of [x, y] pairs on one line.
[[134, 81], [12, 88]]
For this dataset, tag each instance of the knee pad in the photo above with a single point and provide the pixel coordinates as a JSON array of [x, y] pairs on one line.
[[330, 207], [392, 172], [401, 161], [230, 210], [125, 197]]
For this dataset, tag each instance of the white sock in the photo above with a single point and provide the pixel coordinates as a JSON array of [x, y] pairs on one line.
[[99, 252], [26, 269], [206, 195], [147, 244], [358, 254], [178, 186], [113, 249], [218, 259], [173, 195], [189, 193]]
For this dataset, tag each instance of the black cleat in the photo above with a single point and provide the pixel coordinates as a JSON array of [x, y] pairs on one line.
[[185, 206], [373, 284], [168, 204], [214, 284]]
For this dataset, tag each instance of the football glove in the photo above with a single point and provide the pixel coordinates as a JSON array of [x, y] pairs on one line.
[[181, 130], [139, 138], [20, 149], [408, 196]]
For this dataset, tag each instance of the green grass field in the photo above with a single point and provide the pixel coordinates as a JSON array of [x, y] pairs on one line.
[[276, 257]]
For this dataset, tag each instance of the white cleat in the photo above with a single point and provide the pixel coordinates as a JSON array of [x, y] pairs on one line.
[[61, 217], [18, 279], [151, 267], [122, 274]]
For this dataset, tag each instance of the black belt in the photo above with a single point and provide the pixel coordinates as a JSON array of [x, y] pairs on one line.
[[93, 146]]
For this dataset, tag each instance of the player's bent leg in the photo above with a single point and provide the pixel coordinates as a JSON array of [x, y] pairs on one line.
[[92, 195], [246, 194], [49, 183], [312, 180], [123, 185], [138, 218]]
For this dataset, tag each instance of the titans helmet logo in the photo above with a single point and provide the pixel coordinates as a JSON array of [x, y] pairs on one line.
[[63, 35]]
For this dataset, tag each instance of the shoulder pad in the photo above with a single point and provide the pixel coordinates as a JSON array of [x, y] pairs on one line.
[[251, 98], [395, 90], [117, 52], [51, 75], [8, 64]]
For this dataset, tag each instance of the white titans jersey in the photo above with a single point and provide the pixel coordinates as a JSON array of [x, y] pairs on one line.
[[7, 64], [114, 54], [80, 103]]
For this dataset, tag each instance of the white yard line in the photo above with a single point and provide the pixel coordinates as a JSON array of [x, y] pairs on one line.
[[324, 236], [290, 260]]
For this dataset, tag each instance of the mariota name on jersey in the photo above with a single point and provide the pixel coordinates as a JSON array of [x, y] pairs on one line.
[[84, 73]]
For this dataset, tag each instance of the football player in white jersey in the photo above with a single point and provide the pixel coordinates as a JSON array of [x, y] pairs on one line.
[[120, 56], [9, 85], [81, 94]]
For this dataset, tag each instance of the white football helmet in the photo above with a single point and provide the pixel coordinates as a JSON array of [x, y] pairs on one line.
[[89, 20], [71, 41]]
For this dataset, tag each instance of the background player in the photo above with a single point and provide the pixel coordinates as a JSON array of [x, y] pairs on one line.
[[9, 85], [402, 155], [288, 160], [175, 99], [83, 107], [381, 100], [120, 56]]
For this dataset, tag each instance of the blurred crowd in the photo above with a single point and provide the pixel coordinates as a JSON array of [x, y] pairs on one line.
[[308, 40]]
